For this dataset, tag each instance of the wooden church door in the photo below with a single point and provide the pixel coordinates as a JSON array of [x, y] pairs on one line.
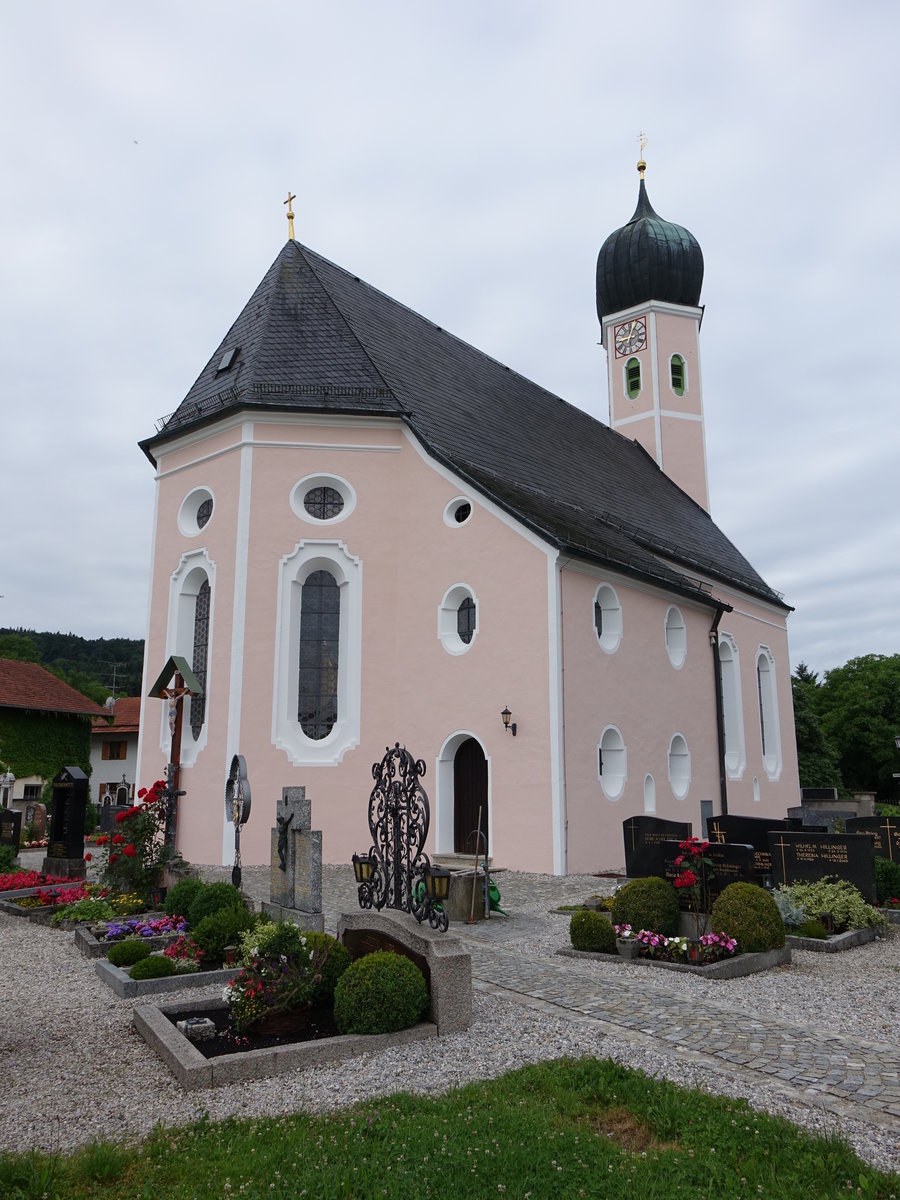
[[470, 791]]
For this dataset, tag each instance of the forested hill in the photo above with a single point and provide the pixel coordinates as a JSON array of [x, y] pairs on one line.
[[97, 667]]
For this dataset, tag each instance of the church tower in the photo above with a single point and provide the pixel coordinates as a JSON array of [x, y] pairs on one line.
[[649, 276]]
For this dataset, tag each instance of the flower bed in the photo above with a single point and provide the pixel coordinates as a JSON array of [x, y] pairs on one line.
[[18, 881], [703, 951], [730, 968], [193, 1071], [127, 988], [834, 944], [158, 930]]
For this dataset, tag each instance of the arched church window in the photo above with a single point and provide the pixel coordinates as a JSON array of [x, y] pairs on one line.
[[320, 627], [607, 618], [633, 378], [769, 730], [612, 762], [679, 766], [200, 655], [676, 374]]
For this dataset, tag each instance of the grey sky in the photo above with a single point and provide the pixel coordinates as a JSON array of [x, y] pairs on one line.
[[469, 160]]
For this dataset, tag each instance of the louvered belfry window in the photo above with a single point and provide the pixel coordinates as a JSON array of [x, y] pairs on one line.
[[201, 651], [320, 628], [633, 378]]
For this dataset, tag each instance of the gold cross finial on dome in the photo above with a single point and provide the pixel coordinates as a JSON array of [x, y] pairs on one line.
[[290, 214], [642, 166]]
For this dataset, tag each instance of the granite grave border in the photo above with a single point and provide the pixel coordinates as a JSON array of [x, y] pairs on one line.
[[127, 988], [834, 944], [193, 1071], [726, 968]]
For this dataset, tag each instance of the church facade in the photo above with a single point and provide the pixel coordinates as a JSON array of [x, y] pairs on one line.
[[368, 531]]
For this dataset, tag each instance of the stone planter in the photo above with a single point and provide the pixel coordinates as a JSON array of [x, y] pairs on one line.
[[834, 944], [626, 947]]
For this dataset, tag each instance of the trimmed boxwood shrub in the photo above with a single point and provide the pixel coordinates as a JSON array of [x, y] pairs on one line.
[[154, 966], [380, 993], [650, 903], [218, 930], [212, 898], [592, 931], [750, 915], [180, 897], [811, 929], [127, 953], [887, 880]]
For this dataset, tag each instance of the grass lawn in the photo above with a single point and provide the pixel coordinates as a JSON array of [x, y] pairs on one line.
[[548, 1132]]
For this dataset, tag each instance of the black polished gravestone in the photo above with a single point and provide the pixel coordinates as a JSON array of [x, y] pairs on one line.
[[65, 852], [748, 831], [644, 841], [806, 857], [885, 831], [731, 863], [10, 828]]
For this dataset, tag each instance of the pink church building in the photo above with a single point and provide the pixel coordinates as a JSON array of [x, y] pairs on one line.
[[368, 531]]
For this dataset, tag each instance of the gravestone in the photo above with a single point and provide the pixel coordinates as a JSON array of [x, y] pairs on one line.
[[732, 863], [36, 815], [885, 831], [645, 839], [814, 820], [749, 831], [806, 857], [295, 887], [10, 828], [65, 853]]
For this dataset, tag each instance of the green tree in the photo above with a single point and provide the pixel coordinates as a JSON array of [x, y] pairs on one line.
[[859, 708], [817, 756], [20, 647]]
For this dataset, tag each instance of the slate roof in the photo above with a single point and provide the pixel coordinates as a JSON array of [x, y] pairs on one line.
[[126, 714], [29, 686], [314, 338]]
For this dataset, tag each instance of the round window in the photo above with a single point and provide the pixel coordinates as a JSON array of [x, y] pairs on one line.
[[323, 503], [323, 498], [196, 511]]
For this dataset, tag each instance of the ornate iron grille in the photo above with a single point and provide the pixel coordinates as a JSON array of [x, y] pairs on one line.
[[399, 819], [323, 503]]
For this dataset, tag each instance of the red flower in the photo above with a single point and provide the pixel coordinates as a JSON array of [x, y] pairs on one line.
[[118, 840], [103, 839], [129, 851], [686, 879], [679, 860], [120, 817], [88, 857], [112, 858], [142, 793]]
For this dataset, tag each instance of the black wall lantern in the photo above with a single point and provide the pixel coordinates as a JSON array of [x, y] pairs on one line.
[[505, 717]]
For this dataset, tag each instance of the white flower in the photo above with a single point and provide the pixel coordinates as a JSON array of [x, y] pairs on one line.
[[226, 994]]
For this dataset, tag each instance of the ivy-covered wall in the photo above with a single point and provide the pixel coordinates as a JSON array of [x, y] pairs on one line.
[[35, 743]]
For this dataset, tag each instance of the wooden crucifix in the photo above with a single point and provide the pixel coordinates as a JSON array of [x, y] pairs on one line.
[[176, 680]]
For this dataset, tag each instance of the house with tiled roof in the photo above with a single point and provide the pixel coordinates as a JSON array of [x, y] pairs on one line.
[[44, 725], [369, 531], [114, 744]]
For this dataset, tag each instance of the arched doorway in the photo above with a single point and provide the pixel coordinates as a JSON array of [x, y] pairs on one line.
[[470, 792]]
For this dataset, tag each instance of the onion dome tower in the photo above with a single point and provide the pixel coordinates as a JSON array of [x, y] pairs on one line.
[[649, 277]]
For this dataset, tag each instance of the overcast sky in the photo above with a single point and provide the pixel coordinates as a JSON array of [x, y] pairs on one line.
[[468, 159]]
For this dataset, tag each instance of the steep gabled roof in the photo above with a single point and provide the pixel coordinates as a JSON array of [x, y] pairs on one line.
[[315, 338], [29, 686]]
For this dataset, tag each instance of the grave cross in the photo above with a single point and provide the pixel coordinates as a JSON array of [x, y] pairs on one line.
[[889, 829], [717, 833]]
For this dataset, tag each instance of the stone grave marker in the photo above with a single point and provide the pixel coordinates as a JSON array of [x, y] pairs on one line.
[[806, 857], [813, 820], [645, 839], [65, 853], [748, 831], [885, 831], [295, 887], [36, 815], [732, 863], [10, 828]]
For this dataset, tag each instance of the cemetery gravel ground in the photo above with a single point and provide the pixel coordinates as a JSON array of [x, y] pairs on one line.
[[74, 1069]]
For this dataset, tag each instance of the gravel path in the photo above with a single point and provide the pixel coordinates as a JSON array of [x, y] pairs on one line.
[[74, 1069]]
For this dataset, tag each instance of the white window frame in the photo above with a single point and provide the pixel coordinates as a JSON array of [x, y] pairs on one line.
[[293, 571], [732, 707], [676, 636], [613, 753], [680, 778], [770, 727], [611, 608], [308, 482], [190, 506], [185, 583], [447, 629]]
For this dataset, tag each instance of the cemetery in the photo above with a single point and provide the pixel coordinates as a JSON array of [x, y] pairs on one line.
[[227, 989]]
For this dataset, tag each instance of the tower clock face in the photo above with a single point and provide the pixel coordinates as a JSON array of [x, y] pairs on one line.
[[630, 337]]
